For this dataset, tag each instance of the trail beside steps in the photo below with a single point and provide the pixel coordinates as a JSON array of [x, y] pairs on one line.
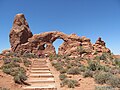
[[40, 76]]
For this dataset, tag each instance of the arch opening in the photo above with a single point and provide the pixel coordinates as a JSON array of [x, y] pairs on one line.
[[57, 44]]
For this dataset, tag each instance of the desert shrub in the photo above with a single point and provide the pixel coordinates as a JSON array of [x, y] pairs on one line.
[[63, 70], [70, 83], [6, 60], [10, 65], [106, 68], [81, 50], [117, 62], [16, 71], [2, 88], [106, 56], [26, 62], [17, 79], [104, 88], [58, 66], [73, 64], [29, 55], [51, 57], [73, 71], [88, 73], [103, 56], [9, 54], [69, 66], [16, 59], [114, 70], [20, 77], [102, 77], [93, 66], [114, 81], [62, 76], [82, 68], [7, 71]]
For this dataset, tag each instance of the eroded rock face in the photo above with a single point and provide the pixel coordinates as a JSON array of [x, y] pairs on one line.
[[99, 46], [20, 32], [22, 40]]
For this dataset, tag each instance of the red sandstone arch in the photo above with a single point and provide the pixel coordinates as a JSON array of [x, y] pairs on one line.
[[22, 40]]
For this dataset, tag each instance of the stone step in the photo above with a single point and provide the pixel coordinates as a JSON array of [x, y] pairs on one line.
[[39, 64], [39, 72], [47, 87], [41, 75], [47, 78], [39, 61], [40, 68], [41, 81]]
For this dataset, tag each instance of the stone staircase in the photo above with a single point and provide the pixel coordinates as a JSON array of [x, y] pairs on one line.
[[40, 76]]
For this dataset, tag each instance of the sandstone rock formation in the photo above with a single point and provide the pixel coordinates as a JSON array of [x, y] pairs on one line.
[[22, 40], [20, 32]]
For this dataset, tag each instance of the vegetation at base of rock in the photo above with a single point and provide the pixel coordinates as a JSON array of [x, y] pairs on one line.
[[115, 81], [29, 55], [2, 88], [117, 62], [70, 83], [26, 62], [88, 73], [62, 76], [103, 77], [73, 71], [104, 88]]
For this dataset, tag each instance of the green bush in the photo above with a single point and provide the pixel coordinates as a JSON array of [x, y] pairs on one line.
[[7, 70], [73, 71], [1, 88], [58, 66], [63, 70], [16, 71], [10, 65], [104, 88], [62, 76], [70, 83], [103, 77], [29, 55], [114, 81], [103, 56], [6, 60], [88, 73], [16, 59], [81, 50], [106, 68], [82, 68], [69, 66], [117, 62], [94, 66], [26, 62], [19, 78]]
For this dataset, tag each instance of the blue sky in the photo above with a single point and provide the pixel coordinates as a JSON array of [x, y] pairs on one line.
[[90, 18]]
